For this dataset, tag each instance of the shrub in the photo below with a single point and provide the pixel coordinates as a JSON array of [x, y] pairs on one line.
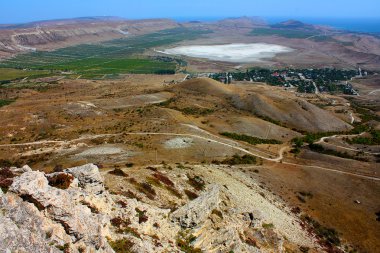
[[142, 216], [236, 160], [118, 172], [320, 149], [147, 189], [184, 242], [164, 179], [129, 194], [61, 181], [329, 236], [6, 179], [197, 182], [174, 191], [122, 246], [191, 195]]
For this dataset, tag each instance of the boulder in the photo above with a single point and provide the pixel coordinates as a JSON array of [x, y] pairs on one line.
[[197, 211], [89, 178]]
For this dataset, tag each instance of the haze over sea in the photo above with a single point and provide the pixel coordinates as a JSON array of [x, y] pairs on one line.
[[366, 25]]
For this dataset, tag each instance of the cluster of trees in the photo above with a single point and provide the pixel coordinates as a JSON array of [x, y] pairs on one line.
[[326, 79], [250, 139], [374, 139]]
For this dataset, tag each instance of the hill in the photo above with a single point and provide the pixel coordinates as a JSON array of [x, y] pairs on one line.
[[205, 86], [293, 24], [48, 35], [269, 103]]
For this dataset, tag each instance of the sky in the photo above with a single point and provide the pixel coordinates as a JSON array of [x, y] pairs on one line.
[[19, 11]]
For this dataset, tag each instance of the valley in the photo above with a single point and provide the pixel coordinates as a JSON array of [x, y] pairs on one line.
[[184, 146]]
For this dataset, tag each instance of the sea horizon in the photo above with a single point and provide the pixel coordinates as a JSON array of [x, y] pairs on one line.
[[364, 25]]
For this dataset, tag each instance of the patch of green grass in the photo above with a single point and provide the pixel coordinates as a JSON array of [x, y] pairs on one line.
[[250, 139], [286, 33], [8, 74], [4, 102]]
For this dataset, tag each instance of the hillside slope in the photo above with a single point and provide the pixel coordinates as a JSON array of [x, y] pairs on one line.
[[55, 34], [269, 102]]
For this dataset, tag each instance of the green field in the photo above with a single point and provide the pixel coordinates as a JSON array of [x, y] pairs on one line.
[[107, 58], [286, 33], [11, 74]]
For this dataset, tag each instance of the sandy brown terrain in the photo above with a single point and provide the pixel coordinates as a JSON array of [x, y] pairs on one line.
[[142, 120]]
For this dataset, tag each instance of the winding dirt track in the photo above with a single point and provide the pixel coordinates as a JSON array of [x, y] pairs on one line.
[[235, 146], [323, 140]]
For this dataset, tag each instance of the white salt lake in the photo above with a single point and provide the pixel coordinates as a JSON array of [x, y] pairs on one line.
[[238, 53]]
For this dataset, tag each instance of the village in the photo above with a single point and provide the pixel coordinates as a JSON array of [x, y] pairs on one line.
[[303, 80]]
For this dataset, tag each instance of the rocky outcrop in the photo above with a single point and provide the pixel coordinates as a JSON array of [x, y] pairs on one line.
[[72, 211], [64, 208], [196, 212]]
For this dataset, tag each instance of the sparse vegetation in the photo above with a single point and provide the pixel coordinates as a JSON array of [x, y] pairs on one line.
[[147, 189], [6, 179], [287, 33], [142, 216], [61, 181], [191, 195], [164, 179], [374, 139], [237, 159], [267, 225], [197, 182], [328, 236], [4, 102], [184, 241], [122, 246], [118, 172], [320, 149], [250, 139]]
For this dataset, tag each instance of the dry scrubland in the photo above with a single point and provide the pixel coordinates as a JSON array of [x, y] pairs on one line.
[[146, 120]]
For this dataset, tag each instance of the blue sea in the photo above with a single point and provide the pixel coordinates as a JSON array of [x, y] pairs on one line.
[[364, 25]]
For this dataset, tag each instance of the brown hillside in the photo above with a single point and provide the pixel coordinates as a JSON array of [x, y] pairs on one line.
[[293, 111], [206, 86], [270, 102]]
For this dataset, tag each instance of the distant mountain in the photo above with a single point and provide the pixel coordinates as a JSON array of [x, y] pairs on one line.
[[293, 24], [53, 34]]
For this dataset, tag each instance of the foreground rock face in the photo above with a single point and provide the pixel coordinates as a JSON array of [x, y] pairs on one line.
[[44, 213], [196, 212], [71, 211], [66, 220]]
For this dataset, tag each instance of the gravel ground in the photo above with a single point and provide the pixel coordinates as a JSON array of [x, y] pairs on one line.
[[101, 151], [178, 143]]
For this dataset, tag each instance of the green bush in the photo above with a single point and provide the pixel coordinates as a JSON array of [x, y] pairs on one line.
[[236, 160]]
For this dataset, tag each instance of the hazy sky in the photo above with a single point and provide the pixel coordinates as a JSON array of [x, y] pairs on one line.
[[16, 11]]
